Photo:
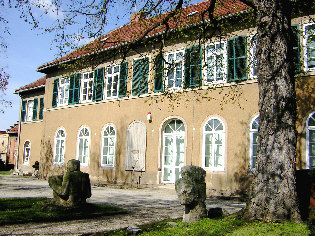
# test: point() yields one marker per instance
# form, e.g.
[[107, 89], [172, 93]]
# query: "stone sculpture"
[[72, 188], [191, 192]]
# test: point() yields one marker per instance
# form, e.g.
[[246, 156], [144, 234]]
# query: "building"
[[12, 146], [4, 138], [137, 118]]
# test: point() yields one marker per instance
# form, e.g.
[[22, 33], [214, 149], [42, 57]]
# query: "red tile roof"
[[13, 129], [37, 84], [136, 30]]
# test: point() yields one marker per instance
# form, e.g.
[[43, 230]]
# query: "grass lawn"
[[22, 210], [6, 172], [222, 226]]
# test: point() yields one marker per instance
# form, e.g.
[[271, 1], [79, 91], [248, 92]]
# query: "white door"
[[173, 151], [136, 146]]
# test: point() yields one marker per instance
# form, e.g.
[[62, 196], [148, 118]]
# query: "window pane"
[[167, 174]]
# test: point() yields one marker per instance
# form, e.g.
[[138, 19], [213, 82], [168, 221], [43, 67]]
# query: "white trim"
[[251, 51], [89, 144], [308, 128], [224, 62], [165, 76], [102, 146], [66, 96], [305, 38], [173, 134], [55, 146], [106, 82], [86, 80], [29, 153], [223, 132], [251, 133]]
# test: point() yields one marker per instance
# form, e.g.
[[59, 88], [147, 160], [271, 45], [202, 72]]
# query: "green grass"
[[22, 210], [222, 226], [7, 172]]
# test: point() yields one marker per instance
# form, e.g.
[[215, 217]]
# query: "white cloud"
[[49, 8]]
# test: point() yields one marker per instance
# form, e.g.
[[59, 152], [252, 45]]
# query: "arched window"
[[253, 132], [83, 146], [214, 145], [27, 152], [108, 146], [60, 140], [173, 150], [310, 141]]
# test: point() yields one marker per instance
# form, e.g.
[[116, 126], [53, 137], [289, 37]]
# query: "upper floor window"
[[83, 146], [175, 70], [252, 56], [112, 81], [30, 106], [214, 145], [140, 76], [309, 43], [87, 87], [60, 140], [237, 64], [27, 152], [63, 92], [108, 146], [253, 132], [310, 141], [215, 63]]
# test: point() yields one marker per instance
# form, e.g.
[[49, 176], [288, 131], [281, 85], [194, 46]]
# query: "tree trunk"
[[273, 192]]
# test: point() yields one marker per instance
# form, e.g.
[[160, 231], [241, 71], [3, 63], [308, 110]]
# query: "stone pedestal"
[[191, 191], [72, 188]]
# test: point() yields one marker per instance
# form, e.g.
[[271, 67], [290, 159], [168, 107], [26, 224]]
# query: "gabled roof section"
[[13, 129], [40, 83], [141, 29]]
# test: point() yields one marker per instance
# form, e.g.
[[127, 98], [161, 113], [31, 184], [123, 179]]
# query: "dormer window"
[[192, 13]]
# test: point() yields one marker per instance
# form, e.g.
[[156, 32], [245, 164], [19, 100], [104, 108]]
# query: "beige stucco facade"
[[235, 104]]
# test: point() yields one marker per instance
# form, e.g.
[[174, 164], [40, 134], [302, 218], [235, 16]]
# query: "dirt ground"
[[144, 206]]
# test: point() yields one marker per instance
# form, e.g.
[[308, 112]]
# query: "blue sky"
[[29, 48]]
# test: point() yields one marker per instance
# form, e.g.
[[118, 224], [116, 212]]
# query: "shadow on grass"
[[24, 210]]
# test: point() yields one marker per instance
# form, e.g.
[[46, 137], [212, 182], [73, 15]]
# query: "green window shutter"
[[98, 84], [71, 89], [144, 76], [296, 48], [123, 79], [136, 76], [76, 88], [187, 68], [237, 59], [35, 109], [195, 69], [41, 108], [23, 111], [158, 73], [55, 93]]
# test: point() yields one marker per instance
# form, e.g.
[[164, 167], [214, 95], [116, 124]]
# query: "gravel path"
[[144, 206]]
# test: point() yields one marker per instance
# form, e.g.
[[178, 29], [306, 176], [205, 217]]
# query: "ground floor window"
[[213, 145], [173, 150], [27, 152], [108, 146], [83, 146], [310, 141], [253, 132], [60, 146]]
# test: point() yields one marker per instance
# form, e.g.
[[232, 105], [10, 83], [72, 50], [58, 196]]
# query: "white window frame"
[[63, 92], [86, 93], [215, 54], [168, 65], [85, 139], [30, 107], [61, 155], [112, 76], [308, 128], [222, 132], [305, 39], [252, 132], [27, 155], [176, 133], [252, 59], [108, 136]]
